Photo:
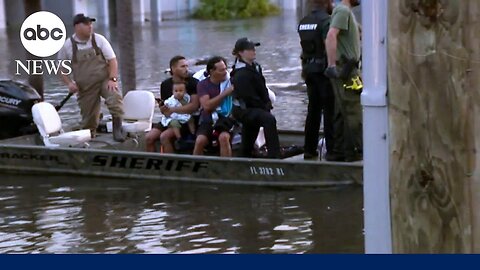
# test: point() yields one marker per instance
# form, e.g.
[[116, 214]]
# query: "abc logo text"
[[43, 34]]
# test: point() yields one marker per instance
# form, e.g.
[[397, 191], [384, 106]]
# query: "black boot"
[[118, 134]]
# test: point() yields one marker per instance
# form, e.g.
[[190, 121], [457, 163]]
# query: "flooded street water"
[[69, 216], [65, 215]]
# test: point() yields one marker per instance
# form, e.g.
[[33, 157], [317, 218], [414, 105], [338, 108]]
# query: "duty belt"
[[314, 61]]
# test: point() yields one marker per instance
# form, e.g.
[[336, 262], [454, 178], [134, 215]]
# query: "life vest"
[[312, 39]]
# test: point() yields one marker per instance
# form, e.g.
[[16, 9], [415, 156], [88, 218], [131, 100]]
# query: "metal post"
[[378, 232]]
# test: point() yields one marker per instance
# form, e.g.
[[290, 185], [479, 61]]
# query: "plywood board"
[[434, 101]]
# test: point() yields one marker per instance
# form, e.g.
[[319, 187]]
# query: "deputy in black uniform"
[[313, 31], [252, 104]]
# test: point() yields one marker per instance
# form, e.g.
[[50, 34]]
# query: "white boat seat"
[[72, 138], [138, 106], [50, 127]]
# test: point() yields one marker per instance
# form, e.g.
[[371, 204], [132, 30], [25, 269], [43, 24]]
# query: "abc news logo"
[[43, 34]]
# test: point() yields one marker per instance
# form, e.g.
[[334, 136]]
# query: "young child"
[[178, 99]]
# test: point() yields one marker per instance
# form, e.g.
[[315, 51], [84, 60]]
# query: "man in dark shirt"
[[313, 30], [179, 71], [211, 97]]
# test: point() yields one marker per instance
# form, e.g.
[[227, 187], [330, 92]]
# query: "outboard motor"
[[16, 101]]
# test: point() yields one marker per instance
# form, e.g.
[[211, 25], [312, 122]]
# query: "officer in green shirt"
[[343, 53]]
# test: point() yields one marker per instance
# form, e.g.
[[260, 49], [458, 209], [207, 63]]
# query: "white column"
[[102, 12], [147, 10], [138, 10], [376, 184], [156, 10], [3, 17], [289, 4], [80, 6]]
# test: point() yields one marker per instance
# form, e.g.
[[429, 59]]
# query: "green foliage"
[[234, 9]]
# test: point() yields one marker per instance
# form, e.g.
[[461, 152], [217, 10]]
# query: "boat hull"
[[106, 159], [118, 164]]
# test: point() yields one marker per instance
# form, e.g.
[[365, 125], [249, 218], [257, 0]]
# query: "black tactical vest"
[[311, 36]]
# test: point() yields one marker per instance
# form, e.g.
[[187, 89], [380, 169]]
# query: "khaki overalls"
[[90, 72]]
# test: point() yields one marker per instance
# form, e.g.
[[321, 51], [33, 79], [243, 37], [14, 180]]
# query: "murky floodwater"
[[92, 215], [68, 216]]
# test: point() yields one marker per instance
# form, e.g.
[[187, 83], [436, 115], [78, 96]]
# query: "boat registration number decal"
[[254, 170]]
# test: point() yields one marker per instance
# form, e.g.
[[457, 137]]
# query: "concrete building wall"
[[12, 11]]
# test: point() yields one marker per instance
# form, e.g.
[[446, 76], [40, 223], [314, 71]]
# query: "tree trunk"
[[127, 45], [36, 81]]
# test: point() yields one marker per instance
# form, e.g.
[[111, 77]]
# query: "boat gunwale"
[[193, 180], [190, 157]]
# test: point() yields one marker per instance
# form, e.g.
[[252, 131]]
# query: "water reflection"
[[91, 216]]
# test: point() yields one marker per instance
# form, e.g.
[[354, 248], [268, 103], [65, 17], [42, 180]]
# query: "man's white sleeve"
[[105, 46]]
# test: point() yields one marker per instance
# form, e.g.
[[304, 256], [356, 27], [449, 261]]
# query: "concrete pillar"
[[301, 8], [192, 5], [3, 18], [63, 9], [147, 10], [177, 9], [14, 13], [80, 6], [289, 4], [102, 12], [155, 11], [138, 9]]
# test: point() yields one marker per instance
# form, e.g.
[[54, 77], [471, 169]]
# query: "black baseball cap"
[[81, 18], [245, 44]]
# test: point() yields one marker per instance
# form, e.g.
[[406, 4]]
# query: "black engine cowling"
[[16, 101]]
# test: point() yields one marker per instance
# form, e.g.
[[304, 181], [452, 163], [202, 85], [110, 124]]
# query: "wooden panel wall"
[[434, 99]]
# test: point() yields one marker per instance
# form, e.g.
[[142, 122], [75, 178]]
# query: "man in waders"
[[95, 70], [343, 51], [313, 30]]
